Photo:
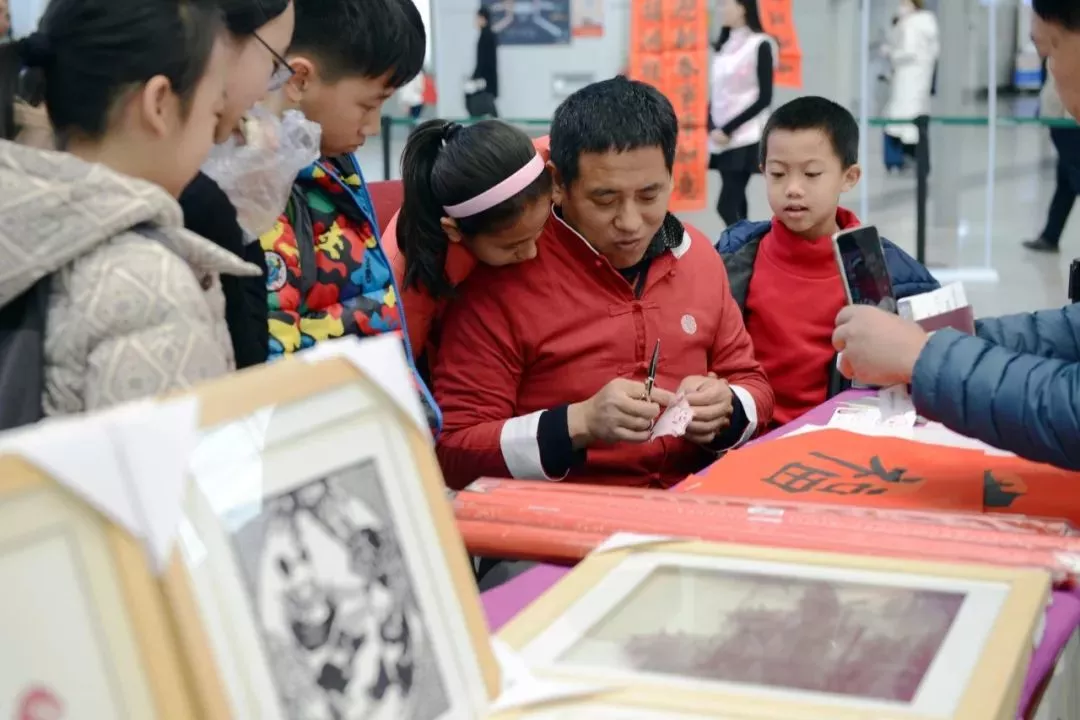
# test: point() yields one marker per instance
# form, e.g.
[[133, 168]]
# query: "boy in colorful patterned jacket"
[[327, 275]]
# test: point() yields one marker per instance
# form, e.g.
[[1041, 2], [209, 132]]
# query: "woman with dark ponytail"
[[478, 193], [134, 90]]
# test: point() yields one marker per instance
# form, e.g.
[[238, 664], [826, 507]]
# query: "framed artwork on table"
[[789, 635], [85, 630], [325, 565]]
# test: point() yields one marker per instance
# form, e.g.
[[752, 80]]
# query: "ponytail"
[[421, 237], [444, 165], [10, 65], [22, 91], [85, 55]]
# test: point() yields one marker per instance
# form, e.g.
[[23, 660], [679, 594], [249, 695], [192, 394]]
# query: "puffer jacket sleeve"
[[908, 275], [137, 323], [1047, 333], [1021, 402]]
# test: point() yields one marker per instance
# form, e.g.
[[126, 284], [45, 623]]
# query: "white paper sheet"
[[931, 304], [129, 463], [382, 360], [522, 689], [78, 452], [624, 540], [156, 443]]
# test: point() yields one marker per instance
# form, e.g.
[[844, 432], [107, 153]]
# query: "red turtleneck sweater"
[[794, 297]]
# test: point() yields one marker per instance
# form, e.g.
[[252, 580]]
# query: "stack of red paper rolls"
[[561, 523]]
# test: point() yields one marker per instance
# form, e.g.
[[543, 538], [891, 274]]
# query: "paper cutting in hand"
[[674, 421]]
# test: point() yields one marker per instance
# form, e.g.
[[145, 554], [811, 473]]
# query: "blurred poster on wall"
[[778, 20], [587, 18], [669, 49], [530, 22]]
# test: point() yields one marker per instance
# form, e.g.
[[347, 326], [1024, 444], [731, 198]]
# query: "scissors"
[[652, 371]]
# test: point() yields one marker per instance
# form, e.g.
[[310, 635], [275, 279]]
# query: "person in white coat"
[[913, 51], [411, 96], [741, 90]]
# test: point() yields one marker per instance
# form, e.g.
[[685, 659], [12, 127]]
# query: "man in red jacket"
[[542, 367]]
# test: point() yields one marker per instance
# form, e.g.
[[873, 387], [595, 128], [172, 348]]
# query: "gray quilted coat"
[[135, 305]]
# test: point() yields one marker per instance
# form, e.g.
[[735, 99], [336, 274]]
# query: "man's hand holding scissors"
[[623, 411]]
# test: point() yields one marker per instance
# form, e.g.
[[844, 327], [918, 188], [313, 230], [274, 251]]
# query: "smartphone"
[[861, 260]]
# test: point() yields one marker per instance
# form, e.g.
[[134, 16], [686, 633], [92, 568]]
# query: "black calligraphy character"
[[876, 469], [650, 72], [688, 96], [686, 67], [685, 38], [652, 42], [686, 156], [1000, 492], [653, 11], [797, 478], [687, 10], [687, 186]]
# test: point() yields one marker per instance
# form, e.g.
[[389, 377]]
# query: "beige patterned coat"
[[135, 304]]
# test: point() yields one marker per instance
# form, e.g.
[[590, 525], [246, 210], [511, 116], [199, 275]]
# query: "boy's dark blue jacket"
[[738, 246]]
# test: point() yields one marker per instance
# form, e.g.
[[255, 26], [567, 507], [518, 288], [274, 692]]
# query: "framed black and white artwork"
[[789, 635], [323, 557]]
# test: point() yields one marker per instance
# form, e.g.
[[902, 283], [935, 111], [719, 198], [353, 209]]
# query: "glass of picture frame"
[[86, 632], [789, 635], [322, 556]]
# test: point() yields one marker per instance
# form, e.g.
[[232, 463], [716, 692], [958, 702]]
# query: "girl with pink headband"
[[478, 193]]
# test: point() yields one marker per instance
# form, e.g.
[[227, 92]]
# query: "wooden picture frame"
[[306, 477], [86, 632], [606, 706], [661, 623]]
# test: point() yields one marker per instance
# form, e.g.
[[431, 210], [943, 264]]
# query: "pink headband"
[[505, 190]]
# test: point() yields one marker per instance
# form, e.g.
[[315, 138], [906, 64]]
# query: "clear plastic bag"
[[258, 174]]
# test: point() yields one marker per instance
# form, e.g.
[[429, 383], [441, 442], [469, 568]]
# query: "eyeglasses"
[[282, 72]]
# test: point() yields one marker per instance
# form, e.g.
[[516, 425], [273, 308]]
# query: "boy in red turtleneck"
[[783, 274]]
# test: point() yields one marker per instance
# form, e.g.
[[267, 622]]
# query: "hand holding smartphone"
[[861, 260]]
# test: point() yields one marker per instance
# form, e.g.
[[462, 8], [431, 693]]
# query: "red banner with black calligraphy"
[[834, 466], [778, 19], [669, 41]]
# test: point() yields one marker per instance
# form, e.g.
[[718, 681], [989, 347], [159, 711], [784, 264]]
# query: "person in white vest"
[[913, 49], [741, 92]]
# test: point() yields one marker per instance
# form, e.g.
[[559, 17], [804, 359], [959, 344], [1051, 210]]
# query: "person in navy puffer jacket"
[[1016, 384]]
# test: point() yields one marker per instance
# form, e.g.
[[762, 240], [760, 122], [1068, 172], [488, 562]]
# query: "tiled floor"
[[1024, 182]]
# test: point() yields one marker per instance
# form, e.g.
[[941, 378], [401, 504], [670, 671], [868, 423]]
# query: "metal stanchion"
[[387, 127], [922, 190]]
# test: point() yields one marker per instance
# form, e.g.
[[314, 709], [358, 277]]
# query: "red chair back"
[[386, 198]]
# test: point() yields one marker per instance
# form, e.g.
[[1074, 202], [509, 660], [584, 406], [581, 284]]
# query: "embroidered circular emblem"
[[276, 275], [689, 324]]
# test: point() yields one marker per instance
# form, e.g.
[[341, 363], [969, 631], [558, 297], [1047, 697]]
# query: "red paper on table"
[[839, 467], [669, 49]]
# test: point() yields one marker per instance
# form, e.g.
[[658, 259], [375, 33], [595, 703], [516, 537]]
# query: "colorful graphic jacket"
[[326, 273]]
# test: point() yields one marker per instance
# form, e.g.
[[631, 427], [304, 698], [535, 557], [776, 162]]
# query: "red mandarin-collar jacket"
[[524, 338]]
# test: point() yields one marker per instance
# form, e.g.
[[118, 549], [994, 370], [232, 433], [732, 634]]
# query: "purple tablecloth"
[[1062, 617]]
